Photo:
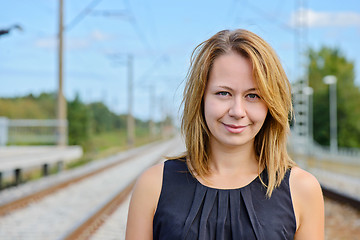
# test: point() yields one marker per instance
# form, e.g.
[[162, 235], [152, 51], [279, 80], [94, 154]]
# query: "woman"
[[236, 180]]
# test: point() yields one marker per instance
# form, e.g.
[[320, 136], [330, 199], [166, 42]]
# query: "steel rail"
[[341, 197], [86, 229], [94, 222], [23, 202]]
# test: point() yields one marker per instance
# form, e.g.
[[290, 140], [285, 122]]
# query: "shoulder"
[[303, 182], [308, 203], [149, 182], [143, 203], [152, 173], [148, 187]]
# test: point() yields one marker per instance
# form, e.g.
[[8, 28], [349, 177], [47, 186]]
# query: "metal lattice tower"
[[300, 98]]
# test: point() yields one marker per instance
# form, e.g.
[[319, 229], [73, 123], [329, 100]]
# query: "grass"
[[110, 143]]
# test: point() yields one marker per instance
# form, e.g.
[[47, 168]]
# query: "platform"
[[14, 160]]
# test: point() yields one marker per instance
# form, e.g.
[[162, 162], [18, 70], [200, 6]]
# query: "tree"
[[85, 120], [79, 120], [330, 61], [104, 119]]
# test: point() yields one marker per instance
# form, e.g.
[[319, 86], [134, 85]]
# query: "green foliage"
[[328, 61], [29, 107], [79, 118], [103, 118], [93, 126]]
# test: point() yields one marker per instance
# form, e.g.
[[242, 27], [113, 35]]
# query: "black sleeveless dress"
[[189, 210]]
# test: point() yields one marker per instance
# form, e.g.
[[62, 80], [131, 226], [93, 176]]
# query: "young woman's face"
[[234, 111]]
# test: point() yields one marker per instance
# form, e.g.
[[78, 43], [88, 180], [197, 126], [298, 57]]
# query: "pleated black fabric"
[[188, 210]]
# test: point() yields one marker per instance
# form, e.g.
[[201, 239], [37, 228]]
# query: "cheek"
[[207, 110], [265, 113], [212, 110], [259, 113]]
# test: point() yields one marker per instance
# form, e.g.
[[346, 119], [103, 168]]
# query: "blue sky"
[[160, 35]]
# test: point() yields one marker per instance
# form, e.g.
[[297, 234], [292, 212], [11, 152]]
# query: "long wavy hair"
[[274, 88]]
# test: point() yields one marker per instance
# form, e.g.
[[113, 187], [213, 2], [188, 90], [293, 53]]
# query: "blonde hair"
[[274, 88]]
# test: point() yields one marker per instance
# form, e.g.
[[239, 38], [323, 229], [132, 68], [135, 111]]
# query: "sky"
[[99, 36]]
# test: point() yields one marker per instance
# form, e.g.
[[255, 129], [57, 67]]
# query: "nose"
[[237, 108]]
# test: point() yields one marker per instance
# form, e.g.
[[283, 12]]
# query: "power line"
[[137, 28], [149, 71], [125, 14], [108, 13], [271, 18], [82, 14]]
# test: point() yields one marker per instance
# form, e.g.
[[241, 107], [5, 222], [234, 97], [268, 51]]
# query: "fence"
[[30, 131], [310, 147]]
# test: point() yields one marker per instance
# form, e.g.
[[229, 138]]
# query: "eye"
[[252, 96], [223, 93]]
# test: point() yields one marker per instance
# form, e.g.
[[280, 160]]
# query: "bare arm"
[[308, 205], [143, 204]]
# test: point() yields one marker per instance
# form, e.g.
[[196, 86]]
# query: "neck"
[[233, 160]]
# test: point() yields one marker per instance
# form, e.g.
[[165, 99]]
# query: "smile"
[[234, 128]]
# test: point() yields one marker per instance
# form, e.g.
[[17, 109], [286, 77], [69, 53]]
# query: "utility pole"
[[130, 118], [61, 112], [163, 116], [151, 112], [61, 103]]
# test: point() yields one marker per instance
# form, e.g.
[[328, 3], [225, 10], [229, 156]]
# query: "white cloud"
[[311, 18], [97, 35], [77, 43], [48, 43], [72, 43]]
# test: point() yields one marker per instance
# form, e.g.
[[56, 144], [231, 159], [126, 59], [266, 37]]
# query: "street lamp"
[[331, 81], [309, 91]]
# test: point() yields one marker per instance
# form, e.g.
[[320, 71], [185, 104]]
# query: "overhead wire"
[[137, 29], [269, 17], [81, 15]]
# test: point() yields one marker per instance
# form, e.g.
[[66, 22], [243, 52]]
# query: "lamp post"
[[331, 81], [309, 91]]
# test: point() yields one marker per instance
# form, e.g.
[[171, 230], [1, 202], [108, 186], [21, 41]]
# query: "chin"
[[234, 143]]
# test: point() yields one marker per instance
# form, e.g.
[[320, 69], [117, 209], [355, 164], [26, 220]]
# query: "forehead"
[[232, 70]]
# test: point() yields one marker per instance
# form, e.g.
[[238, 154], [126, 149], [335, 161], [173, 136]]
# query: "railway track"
[[37, 196], [341, 198], [86, 220], [341, 221], [89, 225], [95, 221], [86, 230]]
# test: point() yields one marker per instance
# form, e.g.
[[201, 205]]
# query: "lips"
[[234, 128]]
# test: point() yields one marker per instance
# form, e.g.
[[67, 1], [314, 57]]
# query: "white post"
[[309, 91], [130, 117], [4, 124], [331, 81]]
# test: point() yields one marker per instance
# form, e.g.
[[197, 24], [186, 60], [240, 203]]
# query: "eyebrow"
[[226, 87], [230, 89]]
